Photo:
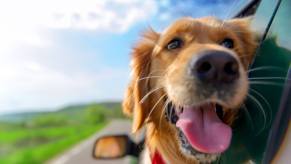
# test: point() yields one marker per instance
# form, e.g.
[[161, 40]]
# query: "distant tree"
[[46, 120], [95, 114]]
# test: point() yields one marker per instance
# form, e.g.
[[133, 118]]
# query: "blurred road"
[[82, 153]]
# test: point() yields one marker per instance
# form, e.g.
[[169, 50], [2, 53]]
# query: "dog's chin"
[[192, 153], [202, 130]]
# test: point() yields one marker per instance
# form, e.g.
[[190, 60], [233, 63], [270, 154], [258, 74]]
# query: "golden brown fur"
[[154, 67]]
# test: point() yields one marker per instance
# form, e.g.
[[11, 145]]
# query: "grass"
[[40, 138], [38, 145]]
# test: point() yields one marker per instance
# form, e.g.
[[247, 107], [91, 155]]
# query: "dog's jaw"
[[192, 153]]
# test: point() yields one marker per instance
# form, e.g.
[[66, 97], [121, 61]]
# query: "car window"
[[268, 77], [223, 9], [65, 65]]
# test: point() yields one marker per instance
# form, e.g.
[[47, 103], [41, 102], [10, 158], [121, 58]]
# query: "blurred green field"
[[37, 137]]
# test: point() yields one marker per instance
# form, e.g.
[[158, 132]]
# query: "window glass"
[[170, 10], [64, 67]]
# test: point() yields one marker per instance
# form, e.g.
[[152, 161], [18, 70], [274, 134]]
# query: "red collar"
[[157, 158]]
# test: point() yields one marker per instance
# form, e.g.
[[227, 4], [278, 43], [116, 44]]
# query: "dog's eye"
[[228, 43], [174, 44]]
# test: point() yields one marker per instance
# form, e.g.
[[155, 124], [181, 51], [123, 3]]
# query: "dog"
[[187, 85]]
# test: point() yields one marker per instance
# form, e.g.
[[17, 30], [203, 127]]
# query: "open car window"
[[265, 121], [223, 9], [247, 8], [64, 65]]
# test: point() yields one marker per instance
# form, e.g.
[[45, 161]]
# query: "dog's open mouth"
[[203, 127]]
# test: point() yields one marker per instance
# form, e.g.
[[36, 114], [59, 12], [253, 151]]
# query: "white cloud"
[[31, 85], [32, 78], [37, 78], [24, 22], [111, 15]]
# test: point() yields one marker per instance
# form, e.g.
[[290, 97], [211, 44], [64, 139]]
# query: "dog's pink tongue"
[[204, 130]]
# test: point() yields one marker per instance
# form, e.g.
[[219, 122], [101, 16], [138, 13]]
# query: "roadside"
[[82, 153]]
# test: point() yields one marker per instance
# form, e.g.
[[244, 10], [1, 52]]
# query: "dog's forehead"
[[187, 23], [177, 24]]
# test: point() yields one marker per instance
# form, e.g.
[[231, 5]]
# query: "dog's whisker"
[[248, 116], [156, 105], [266, 102], [265, 68], [149, 77], [268, 78], [266, 83], [149, 93], [261, 109]]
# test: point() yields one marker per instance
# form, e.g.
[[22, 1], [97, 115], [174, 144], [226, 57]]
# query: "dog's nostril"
[[231, 68], [216, 67], [204, 67]]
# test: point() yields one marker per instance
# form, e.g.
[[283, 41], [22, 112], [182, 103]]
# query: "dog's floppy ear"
[[242, 22], [246, 23], [249, 38], [137, 89]]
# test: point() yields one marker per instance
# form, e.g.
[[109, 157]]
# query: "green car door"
[[265, 115]]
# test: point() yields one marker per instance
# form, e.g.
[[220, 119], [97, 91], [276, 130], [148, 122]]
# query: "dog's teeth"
[[179, 110]]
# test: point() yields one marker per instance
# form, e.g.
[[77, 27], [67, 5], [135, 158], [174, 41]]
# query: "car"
[[262, 133]]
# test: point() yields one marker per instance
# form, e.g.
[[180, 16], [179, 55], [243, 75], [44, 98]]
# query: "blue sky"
[[60, 52]]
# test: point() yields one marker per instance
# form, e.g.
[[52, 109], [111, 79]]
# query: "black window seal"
[[248, 7]]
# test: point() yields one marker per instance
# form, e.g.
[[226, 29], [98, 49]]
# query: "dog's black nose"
[[215, 67]]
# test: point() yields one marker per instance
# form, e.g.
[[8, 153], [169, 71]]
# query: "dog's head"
[[196, 70]]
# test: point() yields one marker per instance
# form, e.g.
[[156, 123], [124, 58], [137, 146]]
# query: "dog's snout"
[[215, 67]]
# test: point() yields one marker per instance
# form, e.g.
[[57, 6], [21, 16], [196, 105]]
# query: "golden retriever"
[[187, 84]]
